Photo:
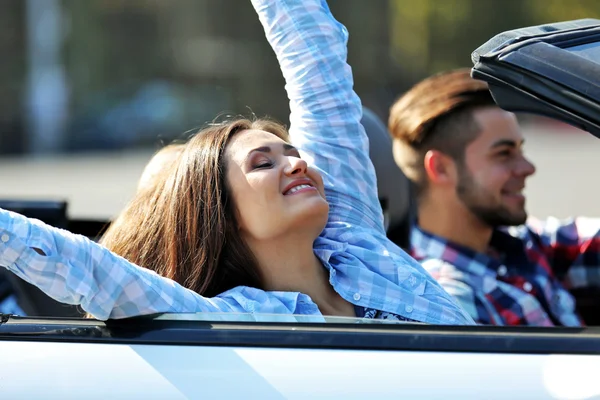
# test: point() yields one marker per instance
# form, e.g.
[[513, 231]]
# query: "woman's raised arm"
[[325, 111]]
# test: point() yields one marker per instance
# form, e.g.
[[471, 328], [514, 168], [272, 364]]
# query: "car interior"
[[394, 195], [393, 187]]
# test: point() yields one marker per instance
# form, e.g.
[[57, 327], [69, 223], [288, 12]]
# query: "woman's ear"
[[440, 168]]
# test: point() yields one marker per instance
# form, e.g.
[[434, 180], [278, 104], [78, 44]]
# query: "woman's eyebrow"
[[287, 148], [262, 149]]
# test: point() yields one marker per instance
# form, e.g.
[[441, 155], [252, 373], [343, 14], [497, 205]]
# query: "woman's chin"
[[313, 215]]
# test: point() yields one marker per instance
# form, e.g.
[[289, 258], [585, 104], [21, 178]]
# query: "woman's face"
[[273, 189]]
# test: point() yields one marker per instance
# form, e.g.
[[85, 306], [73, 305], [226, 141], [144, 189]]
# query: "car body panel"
[[194, 356], [104, 371]]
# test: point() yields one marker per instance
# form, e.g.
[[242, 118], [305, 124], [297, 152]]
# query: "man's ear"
[[440, 168]]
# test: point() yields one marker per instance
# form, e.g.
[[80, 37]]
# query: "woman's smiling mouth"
[[299, 186]]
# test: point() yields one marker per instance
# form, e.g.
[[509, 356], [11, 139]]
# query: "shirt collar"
[[427, 245]]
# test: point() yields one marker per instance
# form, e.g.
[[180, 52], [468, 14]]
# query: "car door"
[[229, 356]]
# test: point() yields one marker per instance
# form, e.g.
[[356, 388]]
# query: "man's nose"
[[526, 167]]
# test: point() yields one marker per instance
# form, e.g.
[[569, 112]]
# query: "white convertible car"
[[553, 70]]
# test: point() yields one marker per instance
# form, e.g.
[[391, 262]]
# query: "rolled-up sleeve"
[[76, 270]]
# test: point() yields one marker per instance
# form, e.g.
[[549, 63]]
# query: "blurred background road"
[[100, 184], [88, 89]]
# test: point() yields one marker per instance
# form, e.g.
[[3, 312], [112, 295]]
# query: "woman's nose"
[[296, 166]]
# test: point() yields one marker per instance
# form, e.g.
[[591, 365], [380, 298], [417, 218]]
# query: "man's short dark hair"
[[436, 114]]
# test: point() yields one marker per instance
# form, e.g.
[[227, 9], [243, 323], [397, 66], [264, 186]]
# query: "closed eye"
[[266, 164]]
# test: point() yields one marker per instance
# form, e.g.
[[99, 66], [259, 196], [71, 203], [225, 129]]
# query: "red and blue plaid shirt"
[[526, 276]]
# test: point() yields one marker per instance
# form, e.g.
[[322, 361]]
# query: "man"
[[465, 157]]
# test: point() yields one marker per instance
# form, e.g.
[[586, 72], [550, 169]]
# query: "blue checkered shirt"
[[365, 268]]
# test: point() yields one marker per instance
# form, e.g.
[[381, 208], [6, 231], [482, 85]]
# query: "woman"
[[299, 240]]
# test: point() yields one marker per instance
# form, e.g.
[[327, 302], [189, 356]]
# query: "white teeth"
[[296, 188]]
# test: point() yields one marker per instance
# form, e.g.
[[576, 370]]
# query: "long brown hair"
[[184, 226]]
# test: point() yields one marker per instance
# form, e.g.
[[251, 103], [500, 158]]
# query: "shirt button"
[[408, 309], [502, 270], [356, 296], [4, 238], [527, 287]]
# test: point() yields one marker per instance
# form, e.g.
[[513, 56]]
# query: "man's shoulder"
[[531, 229], [455, 281], [438, 267]]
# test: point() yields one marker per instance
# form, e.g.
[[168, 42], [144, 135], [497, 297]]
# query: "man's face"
[[492, 177]]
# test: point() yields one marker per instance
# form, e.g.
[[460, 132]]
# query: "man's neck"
[[289, 264], [456, 225]]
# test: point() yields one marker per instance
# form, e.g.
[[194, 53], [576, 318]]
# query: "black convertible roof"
[[552, 70], [504, 39]]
